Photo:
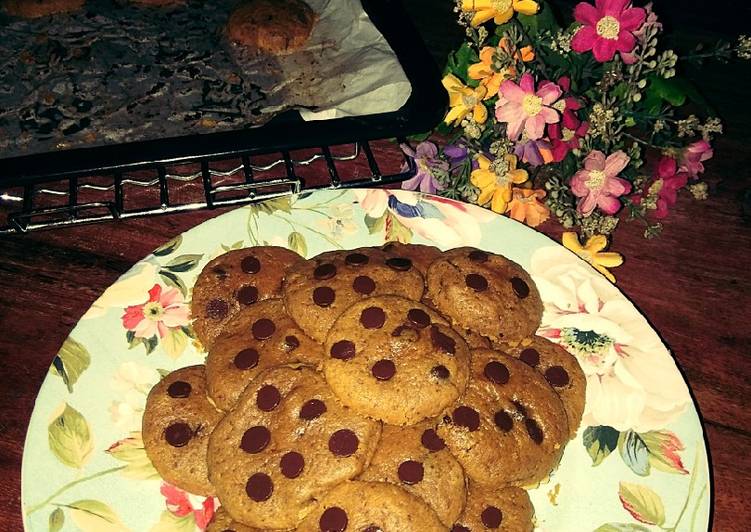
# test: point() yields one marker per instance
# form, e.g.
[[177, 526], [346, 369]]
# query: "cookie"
[[487, 293], [317, 291], [234, 281], [271, 26], [422, 256], [562, 371], [509, 427], [473, 339], [417, 460], [286, 442], [370, 507], [40, 8], [505, 509], [222, 522], [177, 421], [257, 338], [395, 360]]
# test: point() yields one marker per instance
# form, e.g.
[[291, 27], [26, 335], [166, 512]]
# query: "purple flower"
[[455, 152], [534, 152], [427, 162]]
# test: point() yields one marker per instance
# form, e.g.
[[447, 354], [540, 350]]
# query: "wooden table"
[[691, 283]]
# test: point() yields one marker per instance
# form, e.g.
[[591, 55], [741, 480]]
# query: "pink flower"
[[181, 504], [524, 109], [668, 182], [608, 27], [693, 157], [165, 309], [598, 184], [566, 136]]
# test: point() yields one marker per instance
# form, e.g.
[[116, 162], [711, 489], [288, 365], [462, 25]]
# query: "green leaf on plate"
[[56, 520], [642, 503], [375, 225], [95, 516], [634, 452], [171, 279], [163, 372], [183, 263], [394, 229], [621, 527], [169, 247], [236, 245], [169, 522], [296, 242], [131, 451], [174, 342], [69, 438], [663, 447], [600, 442], [282, 203], [71, 361], [150, 343]]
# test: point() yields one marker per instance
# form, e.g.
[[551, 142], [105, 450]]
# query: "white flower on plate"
[[131, 384], [340, 222], [632, 380], [126, 291]]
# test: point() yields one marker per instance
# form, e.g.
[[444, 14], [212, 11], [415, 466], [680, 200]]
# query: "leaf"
[[169, 522], [171, 279], [174, 343], [394, 229], [150, 344], [600, 442], [168, 247], [634, 452], [621, 527], [71, 361], [95, 516], [183, 263], [131, 451], [282, 203], [663, 447], [543, 20], [642, 503], [163, 372], [667, 90], [56, 520], [459, 61], [236, 245], [70, 439], [375, 225], [296, 242]]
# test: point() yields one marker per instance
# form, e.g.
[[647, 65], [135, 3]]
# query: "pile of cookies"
[[398, 388]]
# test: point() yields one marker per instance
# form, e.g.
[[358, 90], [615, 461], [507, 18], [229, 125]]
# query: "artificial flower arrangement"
[[558, 119]]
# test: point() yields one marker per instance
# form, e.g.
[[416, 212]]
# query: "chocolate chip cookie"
[[504, 509], [222, 522], [509, 427], [422, 256], [177, 422], [486, 293], [416, 459], [370, 507], [286, 442], [317, 291], [272, 26], [234, 281], [257, 338], [395, 360]]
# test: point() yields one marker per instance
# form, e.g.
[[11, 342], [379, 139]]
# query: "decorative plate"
[[638, 462]]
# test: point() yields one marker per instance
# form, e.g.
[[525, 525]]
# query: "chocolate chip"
[[496, 372], [534, 430], [323, 296], [521, 289], [268, 398], [373, 318], [440, 372], [217, 309], [324, 271], [383, 370], [431, 441], [263, 329], [465, 416], [530, 356], [255, 439], [247, 295], [219, 272], [292, 464], [312, 409], [178, 434], [460, 528], [477, 255], [411, 472], [476, 282], [343, 442], [399, 264], [356, 259], [503, 421], [556, 376], [179, 389], [418, 317], [442, 341], [246, 359], [250, 265], [291, 342], [259, 487], [491, 517], [343, 350], [363, 285], [334, 519]]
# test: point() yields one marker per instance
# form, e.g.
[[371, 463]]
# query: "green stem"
[[322, 235], [691, 484], [69, 485], [696, 508]]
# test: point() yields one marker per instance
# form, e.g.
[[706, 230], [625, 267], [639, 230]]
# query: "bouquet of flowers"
[[549, 118]]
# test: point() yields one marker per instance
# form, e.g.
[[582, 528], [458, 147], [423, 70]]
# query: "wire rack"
[[194, 184]]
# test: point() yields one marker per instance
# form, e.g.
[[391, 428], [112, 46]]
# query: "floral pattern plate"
[[638, 462]]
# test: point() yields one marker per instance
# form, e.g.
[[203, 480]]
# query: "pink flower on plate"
[[598, 184], [668, 181], [180, 503], [608, 27], [165, 309], [693, 156], [525, 109]]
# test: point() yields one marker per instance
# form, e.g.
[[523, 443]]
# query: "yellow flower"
[[487, 75], [500, 11], [526, 206], [593, 254], [496, 179], [464, 100]]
